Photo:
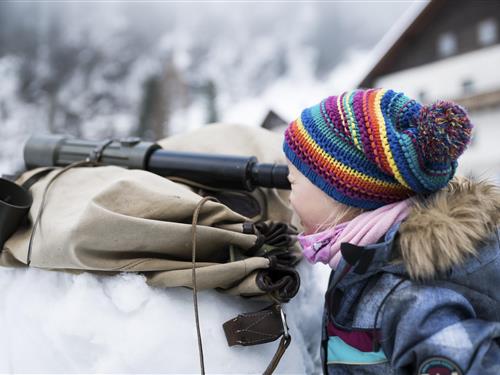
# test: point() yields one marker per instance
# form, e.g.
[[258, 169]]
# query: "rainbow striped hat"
[[368, 148]]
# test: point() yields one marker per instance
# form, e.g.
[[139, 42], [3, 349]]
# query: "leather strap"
[[255, 327], [285, 341], [36, 177], [260, 327]]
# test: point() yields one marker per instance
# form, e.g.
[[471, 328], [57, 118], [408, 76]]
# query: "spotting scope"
[[217, 171]]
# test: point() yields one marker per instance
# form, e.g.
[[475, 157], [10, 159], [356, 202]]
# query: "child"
[[415, 255]]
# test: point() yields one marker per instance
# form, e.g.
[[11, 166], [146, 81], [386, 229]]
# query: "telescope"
[[216, 171]]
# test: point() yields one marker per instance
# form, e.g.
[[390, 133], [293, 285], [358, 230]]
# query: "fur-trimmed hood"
[[444, 229]]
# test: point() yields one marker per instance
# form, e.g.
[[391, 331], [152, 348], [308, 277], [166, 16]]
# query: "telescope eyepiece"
[[270, 175]]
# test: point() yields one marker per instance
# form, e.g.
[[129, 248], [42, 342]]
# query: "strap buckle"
[[283, 321]]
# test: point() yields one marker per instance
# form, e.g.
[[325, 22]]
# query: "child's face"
[[313, 206]]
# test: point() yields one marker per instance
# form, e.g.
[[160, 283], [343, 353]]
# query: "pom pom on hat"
[[444, 131]]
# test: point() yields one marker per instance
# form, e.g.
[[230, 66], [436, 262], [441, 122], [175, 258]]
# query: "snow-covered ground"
[[55, 322]]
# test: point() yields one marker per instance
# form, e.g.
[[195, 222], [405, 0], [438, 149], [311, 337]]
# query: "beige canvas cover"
[[117, 220]]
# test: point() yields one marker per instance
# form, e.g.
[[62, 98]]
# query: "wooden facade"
[[458, 26]]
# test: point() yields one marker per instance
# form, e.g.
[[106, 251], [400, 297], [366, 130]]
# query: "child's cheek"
[[293, 202], [299, 206]]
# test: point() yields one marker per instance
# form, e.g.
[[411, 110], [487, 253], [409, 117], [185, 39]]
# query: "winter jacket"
[[425, 299]]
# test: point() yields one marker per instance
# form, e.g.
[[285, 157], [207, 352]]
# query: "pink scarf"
[[365, 229]]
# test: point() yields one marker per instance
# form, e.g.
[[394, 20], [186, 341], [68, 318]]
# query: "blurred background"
[[152, 69]]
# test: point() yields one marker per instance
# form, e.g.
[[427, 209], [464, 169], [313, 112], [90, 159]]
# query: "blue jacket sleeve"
[[422, 325]]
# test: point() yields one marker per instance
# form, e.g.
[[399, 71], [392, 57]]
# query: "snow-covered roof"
[[389, 42]]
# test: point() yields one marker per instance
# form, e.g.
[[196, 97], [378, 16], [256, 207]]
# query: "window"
[[468, 87], [447, 44], [487, 32]]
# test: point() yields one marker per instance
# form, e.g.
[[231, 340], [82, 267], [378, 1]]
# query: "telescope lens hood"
[[15, 202]]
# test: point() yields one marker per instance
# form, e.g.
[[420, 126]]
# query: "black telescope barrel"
[[218, 171], [211, 170], [225, 171]]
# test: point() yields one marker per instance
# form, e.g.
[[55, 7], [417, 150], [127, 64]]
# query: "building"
[[449, 49]]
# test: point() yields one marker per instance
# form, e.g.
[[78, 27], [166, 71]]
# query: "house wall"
[[444, 79]]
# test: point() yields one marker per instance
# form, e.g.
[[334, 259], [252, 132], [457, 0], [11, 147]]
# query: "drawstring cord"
[[193, 278]]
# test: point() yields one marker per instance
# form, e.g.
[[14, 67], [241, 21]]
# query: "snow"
[[56, 322], [15, 117]]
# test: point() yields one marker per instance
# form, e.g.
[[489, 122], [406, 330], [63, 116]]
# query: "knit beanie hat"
[[368, 148]]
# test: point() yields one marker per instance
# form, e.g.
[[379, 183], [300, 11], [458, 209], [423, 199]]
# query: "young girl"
[[415, 255]]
